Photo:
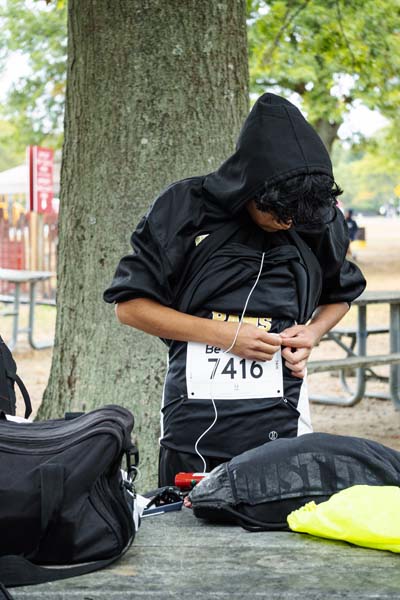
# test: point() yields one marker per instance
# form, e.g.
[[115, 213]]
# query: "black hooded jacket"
[[275, 143], [197, 250]]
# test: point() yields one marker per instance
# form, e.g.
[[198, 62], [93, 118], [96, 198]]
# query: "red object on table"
[[187, 481]]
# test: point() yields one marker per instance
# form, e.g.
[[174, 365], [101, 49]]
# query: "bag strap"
[[25, 396], [5, 400], [16, 570], [4, 593], [51, 496]]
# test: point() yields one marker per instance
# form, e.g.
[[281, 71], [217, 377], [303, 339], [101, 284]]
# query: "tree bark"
[[156, 91], [327, 131]]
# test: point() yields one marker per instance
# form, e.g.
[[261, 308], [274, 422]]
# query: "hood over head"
[[275, 143]]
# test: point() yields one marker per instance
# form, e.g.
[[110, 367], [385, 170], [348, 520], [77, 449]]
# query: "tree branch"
[[346, 41], [286, 22]]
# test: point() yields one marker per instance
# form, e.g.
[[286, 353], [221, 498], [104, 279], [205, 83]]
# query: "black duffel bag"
[[259, 488], [63, 499]]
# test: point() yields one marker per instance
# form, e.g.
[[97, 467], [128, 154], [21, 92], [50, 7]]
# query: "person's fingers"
[[271, 340], [286, 353], [301, 341], [256, 344], [261, 356], [260, 346], [297, 368], [295, 357], [292, 331], [262, 343], [299, 374]]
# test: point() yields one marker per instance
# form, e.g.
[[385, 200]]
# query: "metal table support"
[[359, 392], [395, 347], [354, 396]]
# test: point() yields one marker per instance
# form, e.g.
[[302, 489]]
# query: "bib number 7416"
[[255, 370], [210, 373]]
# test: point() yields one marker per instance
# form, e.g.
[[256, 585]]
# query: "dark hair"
[[305, 199]]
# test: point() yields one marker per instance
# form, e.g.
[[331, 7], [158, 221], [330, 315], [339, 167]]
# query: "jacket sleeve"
[[342, 280], [145, 273]]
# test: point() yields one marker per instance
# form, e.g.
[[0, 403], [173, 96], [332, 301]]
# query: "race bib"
[[210, 373]]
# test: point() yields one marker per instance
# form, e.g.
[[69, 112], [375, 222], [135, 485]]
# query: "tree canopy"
[[35, 102], [369, 174], [331, 53]]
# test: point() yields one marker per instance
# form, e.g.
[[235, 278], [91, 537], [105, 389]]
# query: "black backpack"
[[259, 488], [8, 379], [64, 499]]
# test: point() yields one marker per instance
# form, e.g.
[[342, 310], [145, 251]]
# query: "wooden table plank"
[[378, 297], [352, 362], [177, 556], [22, 276]]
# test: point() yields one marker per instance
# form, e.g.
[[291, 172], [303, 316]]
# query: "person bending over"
[[240, 272]]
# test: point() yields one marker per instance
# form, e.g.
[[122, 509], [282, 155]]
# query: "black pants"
[[172, 462]]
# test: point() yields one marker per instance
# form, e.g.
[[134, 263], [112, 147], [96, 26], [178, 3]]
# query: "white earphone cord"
[[224, 352]]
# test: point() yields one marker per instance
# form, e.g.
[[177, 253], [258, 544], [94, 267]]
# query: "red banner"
[[41, 168]]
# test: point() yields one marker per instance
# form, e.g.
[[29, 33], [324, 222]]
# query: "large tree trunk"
[[156, 91]]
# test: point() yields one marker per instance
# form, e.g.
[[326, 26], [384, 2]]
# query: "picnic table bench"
[[357, 356], [177, 556], [19, 277]]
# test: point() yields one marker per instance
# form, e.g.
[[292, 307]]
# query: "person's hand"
[[252, 342], [187, 502], [297, 342]]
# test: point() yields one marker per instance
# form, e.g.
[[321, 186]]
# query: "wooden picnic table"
[[357, 356], [18, 277], [176, 555]]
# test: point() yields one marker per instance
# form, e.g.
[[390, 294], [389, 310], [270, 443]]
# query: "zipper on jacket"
[[290, 406]]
